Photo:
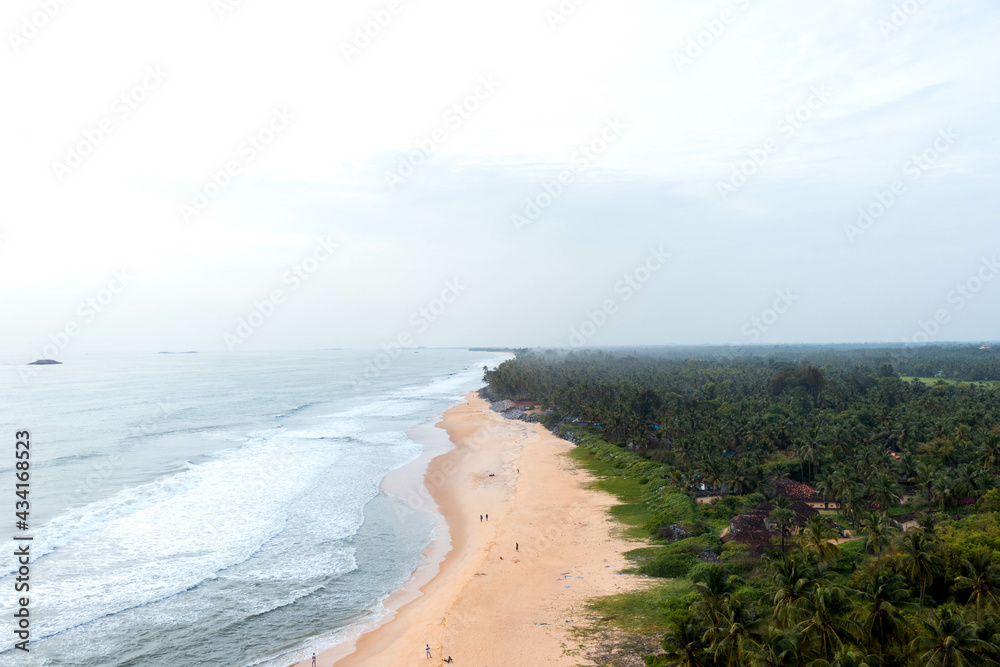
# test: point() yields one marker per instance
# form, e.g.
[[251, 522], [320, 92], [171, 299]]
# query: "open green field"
[[935, 380], [633, 511]]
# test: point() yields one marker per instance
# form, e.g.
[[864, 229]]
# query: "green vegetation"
[[661, 430], [648, 611]]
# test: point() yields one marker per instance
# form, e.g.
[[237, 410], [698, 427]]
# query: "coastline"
[[507, 590]]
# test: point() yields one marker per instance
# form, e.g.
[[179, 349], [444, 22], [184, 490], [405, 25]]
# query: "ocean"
[[193, 509]]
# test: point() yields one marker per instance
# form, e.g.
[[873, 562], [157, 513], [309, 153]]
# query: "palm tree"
[[731, 628], [943, 490], [925, 478], [812, 453], [773, 649], [852, 500], [983, 581], [817, 536], [879, 531], [948, 640], [683, 646], [784, 518], [848, 656], [884, 490], [880, 617], [792, 577], [826, 623], [714, 585], [989, 453], [919, 560], [907, 464]]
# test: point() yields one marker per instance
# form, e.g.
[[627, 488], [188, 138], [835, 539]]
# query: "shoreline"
[[406, 483], [504, 591]]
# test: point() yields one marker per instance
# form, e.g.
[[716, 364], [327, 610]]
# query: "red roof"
[[787, 488]]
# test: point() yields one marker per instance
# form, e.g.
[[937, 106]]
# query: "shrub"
[[990, 502], [669, 563]]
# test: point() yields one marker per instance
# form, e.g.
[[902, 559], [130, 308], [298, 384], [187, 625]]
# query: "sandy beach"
[[509, 588]]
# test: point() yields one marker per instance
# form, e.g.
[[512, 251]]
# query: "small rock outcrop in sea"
[[45, 362]]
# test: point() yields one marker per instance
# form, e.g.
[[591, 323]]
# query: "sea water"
[[192, 509]]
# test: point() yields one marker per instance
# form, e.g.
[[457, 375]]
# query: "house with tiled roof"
[[797, 491], [802, 511], [750, 529]]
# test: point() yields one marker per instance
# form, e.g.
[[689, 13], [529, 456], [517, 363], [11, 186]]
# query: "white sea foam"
[[231, 535]]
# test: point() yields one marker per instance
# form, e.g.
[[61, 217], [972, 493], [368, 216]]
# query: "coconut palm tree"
[[943, 490], [982, 582], [817, 536], [785, 519], [925, 479], [878, 532], [683, 646], [714, 585], [849, 656], [792, 577], [882, 596], [884, 490], [773, 648], [826, 625], [919, 560], [728, 632], [948, 639], [812, 453]]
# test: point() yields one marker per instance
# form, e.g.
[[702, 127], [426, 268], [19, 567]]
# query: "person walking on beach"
[[517, 547], [480, 518], [487, 517], [314, 660], [428, 649]]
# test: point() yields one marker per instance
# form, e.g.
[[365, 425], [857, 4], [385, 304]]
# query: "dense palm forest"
[[905, 571]]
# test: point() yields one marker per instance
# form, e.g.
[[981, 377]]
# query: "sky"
[[246, 175]]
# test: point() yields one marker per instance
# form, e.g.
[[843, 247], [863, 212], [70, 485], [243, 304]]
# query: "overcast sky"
[[740, 138]]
